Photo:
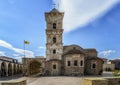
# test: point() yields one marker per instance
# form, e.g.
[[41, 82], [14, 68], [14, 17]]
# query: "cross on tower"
[[54, 5]]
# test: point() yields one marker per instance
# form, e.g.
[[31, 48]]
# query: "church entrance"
[[35, 67]]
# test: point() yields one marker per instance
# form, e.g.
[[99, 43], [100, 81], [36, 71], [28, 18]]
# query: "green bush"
[[116, 73]]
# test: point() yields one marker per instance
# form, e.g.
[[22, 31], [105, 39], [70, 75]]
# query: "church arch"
[[17, 70], [20, 68], [34, 67], [14, 69], [10, 69], [3, 69]]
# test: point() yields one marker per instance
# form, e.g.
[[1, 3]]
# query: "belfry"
[[54, 44]]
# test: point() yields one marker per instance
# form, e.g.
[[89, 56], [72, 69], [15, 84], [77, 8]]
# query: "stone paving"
[[55, 81], [59, 80]]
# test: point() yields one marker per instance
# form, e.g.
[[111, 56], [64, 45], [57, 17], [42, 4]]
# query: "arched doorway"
[[3, 69], [20, 68], [34, 67], [17, 69], [14, 69], [9, 69]]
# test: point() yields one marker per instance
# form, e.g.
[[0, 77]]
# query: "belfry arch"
[[34, 67]]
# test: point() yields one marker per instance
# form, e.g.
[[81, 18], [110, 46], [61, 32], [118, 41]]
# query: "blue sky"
[[88, 23]]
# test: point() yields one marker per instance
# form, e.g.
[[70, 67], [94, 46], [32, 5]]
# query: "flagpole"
[[24, 48], [24, 58], [25, 42]]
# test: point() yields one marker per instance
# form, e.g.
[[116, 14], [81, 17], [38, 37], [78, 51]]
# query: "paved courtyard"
[[55, 81], [59, 80]]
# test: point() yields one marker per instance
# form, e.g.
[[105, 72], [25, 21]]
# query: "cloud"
[[79, 13], [42, 47], [16, 55], [2, 53], [107, 53], [17, 50]]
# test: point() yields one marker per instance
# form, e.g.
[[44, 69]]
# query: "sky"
[[87, 23]]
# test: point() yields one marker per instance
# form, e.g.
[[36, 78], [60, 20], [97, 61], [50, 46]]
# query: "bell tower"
[[54, 45], [54, 31]]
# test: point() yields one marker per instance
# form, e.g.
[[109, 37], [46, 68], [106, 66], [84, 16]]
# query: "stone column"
[[6, 68], [0, 68]]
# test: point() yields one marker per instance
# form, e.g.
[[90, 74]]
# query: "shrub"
[[116, 73]]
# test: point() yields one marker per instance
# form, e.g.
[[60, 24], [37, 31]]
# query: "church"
[[70, 60]]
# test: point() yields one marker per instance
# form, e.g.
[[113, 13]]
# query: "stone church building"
[[65, 60]]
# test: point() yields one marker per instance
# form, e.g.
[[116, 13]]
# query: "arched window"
[[94, 65], [54, 66], [54, 39], [68, 63], [75, 63], [54, 51], [81, 63], [54, 25]]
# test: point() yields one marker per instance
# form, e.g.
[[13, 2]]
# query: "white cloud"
[[107, 53], [2, 53], [16, 55], [42, 47], [17, 50], [78, 13]]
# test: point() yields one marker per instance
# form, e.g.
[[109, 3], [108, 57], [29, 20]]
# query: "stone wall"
[[54, 31], [91, 52], [13, 82], [108, 67], [8, 68], [101, 81], [72, 69], [113, 81], [27, 61], [53, 68], [95, 81], [89, 70]]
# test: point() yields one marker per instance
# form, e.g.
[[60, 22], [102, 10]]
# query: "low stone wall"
[[113, 81], [95, 81], [13, 82], [101, 81]]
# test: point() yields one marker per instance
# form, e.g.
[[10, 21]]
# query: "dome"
[[74, 51]]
